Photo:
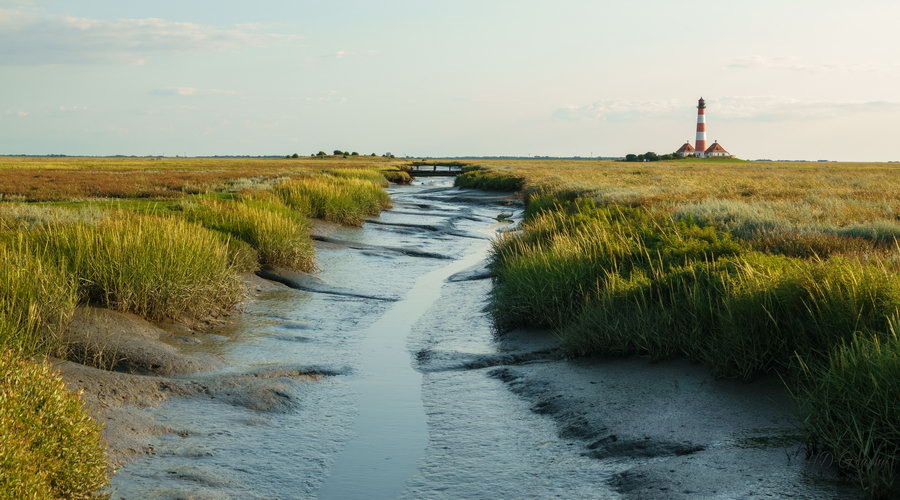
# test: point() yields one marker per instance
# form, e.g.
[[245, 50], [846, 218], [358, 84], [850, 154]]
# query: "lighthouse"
[[700, 150]]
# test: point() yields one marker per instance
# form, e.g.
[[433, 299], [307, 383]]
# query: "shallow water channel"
[[417, 398]]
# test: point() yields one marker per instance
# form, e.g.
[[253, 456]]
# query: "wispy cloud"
[[744, 108], [345, 54], [13, 112], [611, 109], [191, 91], [330, 96], [774, 108], [29, 37], [800, 65]]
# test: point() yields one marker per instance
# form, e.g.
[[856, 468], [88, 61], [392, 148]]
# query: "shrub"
[[37, 300], [49, 447], [155, 267]]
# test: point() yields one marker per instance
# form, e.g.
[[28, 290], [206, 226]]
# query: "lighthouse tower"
[[701, 129]]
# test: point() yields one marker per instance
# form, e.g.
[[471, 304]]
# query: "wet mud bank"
[[380, 377]]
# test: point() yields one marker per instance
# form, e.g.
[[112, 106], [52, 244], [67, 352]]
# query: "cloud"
[[12, 112], [30, 37], [620, 110], [794, 64], [191, 91], [778, 108], [344, 54], [729, 108], [330, 96]]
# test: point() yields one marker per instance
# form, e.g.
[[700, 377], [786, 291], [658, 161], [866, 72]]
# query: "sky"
[[783, 79]]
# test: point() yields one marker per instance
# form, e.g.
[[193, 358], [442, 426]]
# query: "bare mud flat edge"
[[673, 429], [124, 366]]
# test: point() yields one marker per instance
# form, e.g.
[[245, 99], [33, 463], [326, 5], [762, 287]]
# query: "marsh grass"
[[371, 175], [155, 267], [397, 176], [345, 201], [485, 179], [851, 410], [49, 447], [626, 279], [277, 236], [37, 300]]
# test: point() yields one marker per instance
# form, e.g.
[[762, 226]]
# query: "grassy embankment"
[[163, 239], [748, 268]]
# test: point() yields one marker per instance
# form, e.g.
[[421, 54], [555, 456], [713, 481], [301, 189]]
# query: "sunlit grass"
[[279, 237], [49, 447], [156, 267], [641, 269], [342, 200], [37, 300]]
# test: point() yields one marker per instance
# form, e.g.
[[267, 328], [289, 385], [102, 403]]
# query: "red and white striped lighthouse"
[[701, 129]]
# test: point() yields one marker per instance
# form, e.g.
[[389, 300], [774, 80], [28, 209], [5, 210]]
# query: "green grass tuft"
[[489, 180], [37, 300], [344, 201], [156, 267], [851, 409], [279, 236]]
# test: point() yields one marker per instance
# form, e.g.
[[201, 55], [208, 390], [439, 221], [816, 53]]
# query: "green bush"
[[49, 447]]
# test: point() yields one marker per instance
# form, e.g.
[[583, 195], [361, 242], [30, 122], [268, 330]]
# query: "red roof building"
[[717, 151], [686, 150]]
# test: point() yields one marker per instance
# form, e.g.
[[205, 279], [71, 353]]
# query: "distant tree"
[[373, 154], [651, 156], [338, 152], [295, 155], [631, 157], [354, 154], [321, 153]]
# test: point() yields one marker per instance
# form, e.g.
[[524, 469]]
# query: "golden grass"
[[36, 178], [831, 193]]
